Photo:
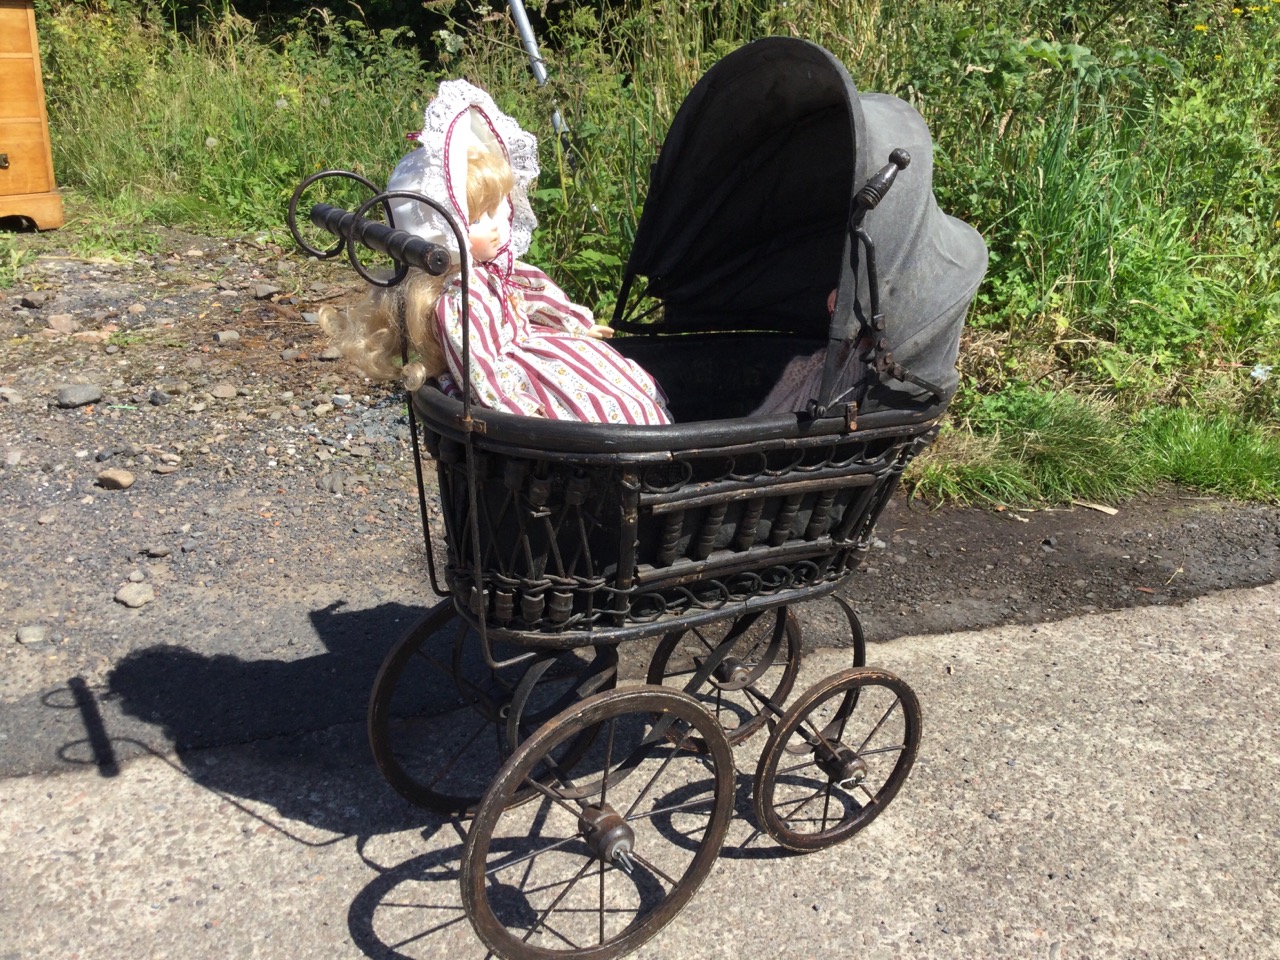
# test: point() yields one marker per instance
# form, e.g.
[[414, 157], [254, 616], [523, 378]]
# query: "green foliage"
[[216, 129], [1219, 453], [14, 256], [1025, 445], [1122, 160]]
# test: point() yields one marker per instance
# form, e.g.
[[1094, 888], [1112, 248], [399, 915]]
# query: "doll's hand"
[[831, 302], [600, 331]]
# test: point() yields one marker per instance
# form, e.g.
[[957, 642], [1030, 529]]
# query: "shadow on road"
[[297, 725]]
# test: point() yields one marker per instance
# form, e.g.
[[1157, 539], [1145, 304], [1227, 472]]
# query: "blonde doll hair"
[[369, 334]]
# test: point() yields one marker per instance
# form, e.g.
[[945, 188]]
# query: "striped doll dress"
[[531, 353]]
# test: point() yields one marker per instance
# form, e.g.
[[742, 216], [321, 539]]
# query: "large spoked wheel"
[[442, 722], [736, 667], [837, 758], [615, 844]]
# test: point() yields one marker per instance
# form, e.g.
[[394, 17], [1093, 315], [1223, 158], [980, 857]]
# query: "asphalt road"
[[1098, 787]]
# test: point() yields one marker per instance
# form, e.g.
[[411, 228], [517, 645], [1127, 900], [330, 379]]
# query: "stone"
[[115, 479], [330, 353], [226, 336], [34, 300], [62, 323], [331, 483], [135, 595], [12, 458], [223, 391], [79, 395], [159, 398], [137, 308], [264, 291], [290, 354], [33, 633], [320, 409], [9, 395], [158, 551], [310, 317]]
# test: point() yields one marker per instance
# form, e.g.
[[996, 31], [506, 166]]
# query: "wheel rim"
[[547, 880], [837, 758], [762, 653], [440, 720]]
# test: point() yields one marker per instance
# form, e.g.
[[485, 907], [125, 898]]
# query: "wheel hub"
[[608, 835], [732, 670], [839, 762]]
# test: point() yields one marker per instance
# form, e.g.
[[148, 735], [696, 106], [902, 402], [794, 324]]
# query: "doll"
[[532, 351]]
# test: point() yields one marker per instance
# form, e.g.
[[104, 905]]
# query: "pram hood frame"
[[751, 215]]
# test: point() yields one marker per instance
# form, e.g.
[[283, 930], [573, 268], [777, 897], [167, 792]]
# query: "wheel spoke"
[[697, 632], [799, 766], [551, 795], [458, 756], [506, 864], [876, 729], [652, 867], [660, 771], [688, 804], [608, 761], [541, 921], [894, 749], [805, 801]]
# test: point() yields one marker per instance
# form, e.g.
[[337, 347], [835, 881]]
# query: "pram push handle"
[[873, 190], [401, 246]]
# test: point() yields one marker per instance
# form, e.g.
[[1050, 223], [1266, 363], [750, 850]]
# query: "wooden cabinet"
[[27, 188]]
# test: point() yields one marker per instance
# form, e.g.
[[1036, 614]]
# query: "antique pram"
[[597, 809]]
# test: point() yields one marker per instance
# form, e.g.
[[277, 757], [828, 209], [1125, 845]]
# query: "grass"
[[1122, 160], [1219, 454], [1026, 447], [14, 257]]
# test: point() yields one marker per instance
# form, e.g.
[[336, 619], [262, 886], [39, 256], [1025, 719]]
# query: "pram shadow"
[[284, 738]]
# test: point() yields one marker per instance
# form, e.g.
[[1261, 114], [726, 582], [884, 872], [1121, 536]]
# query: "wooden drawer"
[[15, 27], [21, 97], [28, 160]]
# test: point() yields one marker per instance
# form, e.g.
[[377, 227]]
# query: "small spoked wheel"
[[614, 844], [442, 721], [837, 758], [741, 669]]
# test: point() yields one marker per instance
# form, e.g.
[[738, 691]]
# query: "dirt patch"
[[271, 527]]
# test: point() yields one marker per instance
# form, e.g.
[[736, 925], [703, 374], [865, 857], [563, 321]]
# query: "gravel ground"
[[212, 526]]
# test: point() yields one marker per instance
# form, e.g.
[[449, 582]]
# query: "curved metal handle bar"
[[404, 248], [292, 218]]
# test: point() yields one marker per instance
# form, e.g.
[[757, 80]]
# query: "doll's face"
[[489, 233]]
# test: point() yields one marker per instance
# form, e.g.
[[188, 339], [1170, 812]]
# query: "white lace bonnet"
[[462, 116]]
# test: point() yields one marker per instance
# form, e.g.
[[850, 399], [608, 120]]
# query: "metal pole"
[[530, 44]]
